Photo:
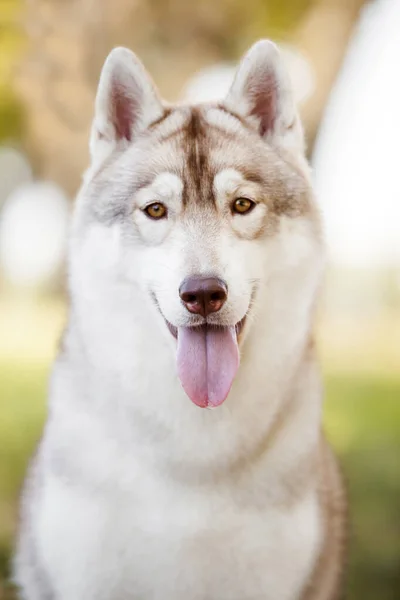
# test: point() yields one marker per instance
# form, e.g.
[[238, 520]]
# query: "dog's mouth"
[[207, 360], [238, 327]]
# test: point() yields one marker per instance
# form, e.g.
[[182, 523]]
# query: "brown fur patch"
[[234, 115], [165, 115], [198, 178]]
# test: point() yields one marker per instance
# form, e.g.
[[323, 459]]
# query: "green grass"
[[22, 410], [23, 393], [362, 416]]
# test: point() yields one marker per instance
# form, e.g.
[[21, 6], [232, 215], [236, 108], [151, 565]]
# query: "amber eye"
[[156, 210], [243, 206]]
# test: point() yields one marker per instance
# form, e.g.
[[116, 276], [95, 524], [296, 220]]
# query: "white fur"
[[173, 555]]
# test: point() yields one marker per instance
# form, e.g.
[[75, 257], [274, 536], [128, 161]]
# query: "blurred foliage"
[[362, 416], [12, 116], [11, 41], [67, 43], [174, 23]]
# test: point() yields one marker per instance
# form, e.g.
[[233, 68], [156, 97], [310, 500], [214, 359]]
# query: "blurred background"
[[343, 57]]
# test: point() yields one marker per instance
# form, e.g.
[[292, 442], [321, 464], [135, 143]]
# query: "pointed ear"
[[126, 102], [261, 93]]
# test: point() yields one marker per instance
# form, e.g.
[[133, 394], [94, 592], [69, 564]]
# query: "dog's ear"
[[126, 102], [261, 93]]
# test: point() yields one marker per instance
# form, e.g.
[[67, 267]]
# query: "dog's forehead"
[[197, 144], [205, 151]]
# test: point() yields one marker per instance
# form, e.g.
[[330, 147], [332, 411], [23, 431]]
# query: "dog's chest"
[[172, 543]]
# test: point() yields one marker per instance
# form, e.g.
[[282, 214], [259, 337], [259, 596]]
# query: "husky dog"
[[195, 260]]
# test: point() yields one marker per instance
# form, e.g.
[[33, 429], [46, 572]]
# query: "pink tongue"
[[208, 359]]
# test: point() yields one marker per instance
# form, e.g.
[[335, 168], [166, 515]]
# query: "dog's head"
[[204, 202]]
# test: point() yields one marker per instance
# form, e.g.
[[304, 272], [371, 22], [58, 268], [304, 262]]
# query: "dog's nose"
[[203, 295]]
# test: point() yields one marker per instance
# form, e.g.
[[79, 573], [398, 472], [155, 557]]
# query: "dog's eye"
[[156, 210], [242, 206]]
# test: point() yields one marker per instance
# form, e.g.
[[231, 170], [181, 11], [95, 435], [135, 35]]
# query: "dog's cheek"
[[152, 232], [161, 273], [240, 265], [98, 251], [296, 246], [251, 226]]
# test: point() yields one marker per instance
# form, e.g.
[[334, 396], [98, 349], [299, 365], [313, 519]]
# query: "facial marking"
[[230, 184], [171, 126], [164, 116], [165, 188], [224, 120], [198, 180]]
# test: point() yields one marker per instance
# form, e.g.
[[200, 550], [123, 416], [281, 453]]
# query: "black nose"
[[203, 295]]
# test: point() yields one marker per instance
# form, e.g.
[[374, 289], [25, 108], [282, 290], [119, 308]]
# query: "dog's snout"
[[203, 295]]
